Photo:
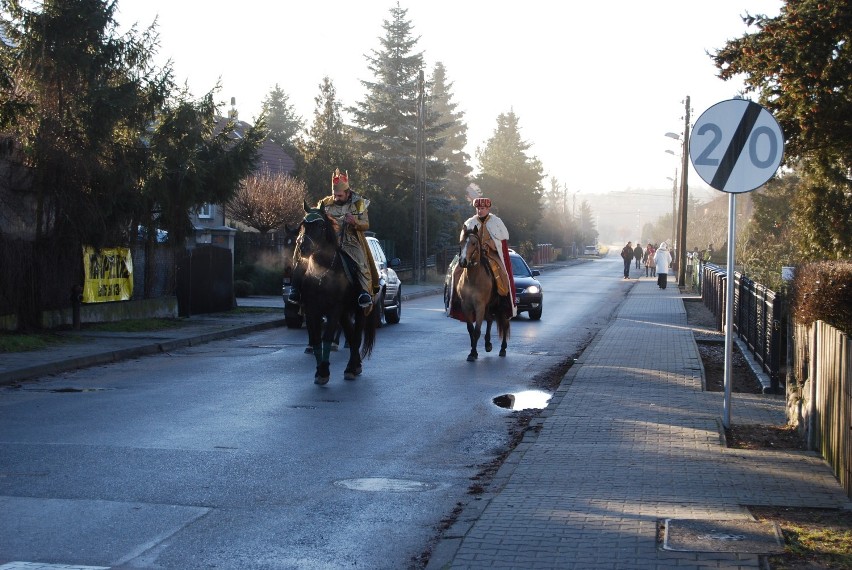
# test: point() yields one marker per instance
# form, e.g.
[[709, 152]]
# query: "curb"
[[13, 376]]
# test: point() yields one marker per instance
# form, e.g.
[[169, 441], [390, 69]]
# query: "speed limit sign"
[[736, 146]]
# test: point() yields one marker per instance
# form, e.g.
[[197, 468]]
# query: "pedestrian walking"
[[627, 256], [648, 258], [663, 260], [637, 253]]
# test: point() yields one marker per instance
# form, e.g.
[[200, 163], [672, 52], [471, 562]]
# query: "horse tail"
[[371, 324], [503, 323]]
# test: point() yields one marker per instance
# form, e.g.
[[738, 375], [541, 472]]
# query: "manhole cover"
[[376, 484], [743, 536]]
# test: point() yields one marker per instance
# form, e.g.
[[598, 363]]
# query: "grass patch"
[[137, 325], [15, 342], [816, 539]]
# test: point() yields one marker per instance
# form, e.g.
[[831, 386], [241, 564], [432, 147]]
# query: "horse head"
[[316, 231], [470, 247]]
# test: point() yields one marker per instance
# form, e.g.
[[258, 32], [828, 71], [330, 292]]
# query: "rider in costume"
[[348, 212], [495, 238]]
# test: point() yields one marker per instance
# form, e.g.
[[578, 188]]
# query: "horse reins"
[[313, 241]]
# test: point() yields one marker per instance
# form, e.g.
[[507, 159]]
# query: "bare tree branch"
[[267, 201]]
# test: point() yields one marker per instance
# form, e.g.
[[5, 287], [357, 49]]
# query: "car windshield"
[[519, 267]]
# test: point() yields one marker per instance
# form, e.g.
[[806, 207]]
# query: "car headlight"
[[532, 289]]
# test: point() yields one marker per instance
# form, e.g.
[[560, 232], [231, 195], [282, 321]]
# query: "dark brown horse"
[[330, 291], [476, 291]]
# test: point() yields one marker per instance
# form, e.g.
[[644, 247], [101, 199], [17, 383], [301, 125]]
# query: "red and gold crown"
[[482, 203], [339, 181]]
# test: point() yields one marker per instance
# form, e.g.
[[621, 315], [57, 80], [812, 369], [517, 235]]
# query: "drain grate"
[[736, 535]]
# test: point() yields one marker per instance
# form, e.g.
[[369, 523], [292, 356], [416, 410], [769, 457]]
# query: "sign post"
[[736, 146]]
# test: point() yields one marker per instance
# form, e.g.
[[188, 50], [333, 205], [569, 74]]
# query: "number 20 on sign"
[[736, 146]]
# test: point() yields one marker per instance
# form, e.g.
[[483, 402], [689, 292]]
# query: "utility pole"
[[420, 188], [674, 207], [684, 201]]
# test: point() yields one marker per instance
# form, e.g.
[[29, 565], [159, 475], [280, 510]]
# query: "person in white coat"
[[663, 259]]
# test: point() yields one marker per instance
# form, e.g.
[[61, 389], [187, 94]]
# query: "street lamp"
[[674, 203]]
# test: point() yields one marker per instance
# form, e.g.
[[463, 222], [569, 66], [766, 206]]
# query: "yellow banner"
[[108, 274]]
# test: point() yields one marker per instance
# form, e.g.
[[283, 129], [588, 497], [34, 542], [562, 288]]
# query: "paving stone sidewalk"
[[628, 441]]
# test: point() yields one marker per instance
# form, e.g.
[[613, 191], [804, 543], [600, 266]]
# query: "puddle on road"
[[526, 400]]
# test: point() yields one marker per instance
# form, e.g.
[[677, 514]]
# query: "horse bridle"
[[311, 218], [480, 248]]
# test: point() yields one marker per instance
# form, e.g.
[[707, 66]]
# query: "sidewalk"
[[628, 441], [92, 348]]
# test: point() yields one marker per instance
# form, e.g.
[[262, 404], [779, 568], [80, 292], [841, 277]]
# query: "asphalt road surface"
[[227, 455]]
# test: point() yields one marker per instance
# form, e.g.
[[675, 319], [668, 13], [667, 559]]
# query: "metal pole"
[[674, 207], [729, 308], [684, 201]]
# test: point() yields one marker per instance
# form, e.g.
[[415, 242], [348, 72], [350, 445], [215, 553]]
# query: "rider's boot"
[[364, 300], [295, 296]]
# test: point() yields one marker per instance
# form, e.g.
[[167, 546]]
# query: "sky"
[[595, 85]]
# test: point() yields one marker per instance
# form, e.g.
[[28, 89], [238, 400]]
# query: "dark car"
[[529, 296], [390, 294]]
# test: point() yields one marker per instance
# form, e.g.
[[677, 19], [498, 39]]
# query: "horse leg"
[[488, 345], [503, 329], [474, 332], [353, 333], [319, 347]]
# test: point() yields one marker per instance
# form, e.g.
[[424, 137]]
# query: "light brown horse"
[[476, 291]]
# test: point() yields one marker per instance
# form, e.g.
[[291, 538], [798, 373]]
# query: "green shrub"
[[243, 288], [822, 291]]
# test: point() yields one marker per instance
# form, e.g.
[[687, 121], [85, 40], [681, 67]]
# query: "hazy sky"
[[595, 85]]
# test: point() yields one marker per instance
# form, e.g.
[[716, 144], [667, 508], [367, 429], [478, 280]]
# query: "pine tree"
[[800, 65], [284, 124], [386, 131], [512, 180], [75, 101], [328, 145], [449, 203], [194, 160]]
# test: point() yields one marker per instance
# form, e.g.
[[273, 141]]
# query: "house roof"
[[272, 157]]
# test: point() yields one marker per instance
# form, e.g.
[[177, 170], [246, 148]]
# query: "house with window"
[[208, 222]]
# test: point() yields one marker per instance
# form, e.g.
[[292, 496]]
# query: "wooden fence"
[[811, 360], [821, 364]]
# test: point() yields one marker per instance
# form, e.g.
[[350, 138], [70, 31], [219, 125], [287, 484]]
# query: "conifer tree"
[[386, 127], [283, 123], [328, 145], [76, 98], [800, 65], [512, 179], [448, 199]]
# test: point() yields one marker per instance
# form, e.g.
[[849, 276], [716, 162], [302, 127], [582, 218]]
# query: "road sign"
[[736, 146]]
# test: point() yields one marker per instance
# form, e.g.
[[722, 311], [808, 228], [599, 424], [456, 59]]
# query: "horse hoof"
[[472, 357], [352, 373], [488, 347], [321, 380], [503, 352]]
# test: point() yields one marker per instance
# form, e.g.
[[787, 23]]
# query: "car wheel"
[[392, 317], [535, 314]]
